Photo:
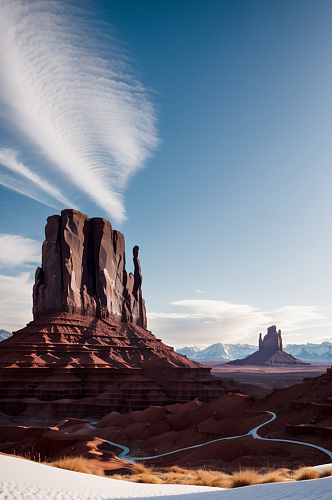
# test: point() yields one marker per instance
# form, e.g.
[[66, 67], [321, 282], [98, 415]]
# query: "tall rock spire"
[[83, 271]]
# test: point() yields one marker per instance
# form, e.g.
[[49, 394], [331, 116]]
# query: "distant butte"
[[270, 352], [88, 350]]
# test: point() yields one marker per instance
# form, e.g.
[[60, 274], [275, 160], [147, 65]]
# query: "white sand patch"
[[24, 480]]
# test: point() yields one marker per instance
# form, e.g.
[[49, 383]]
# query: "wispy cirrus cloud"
[[211, 321], [16, 250], [69, 89], [28, 182]]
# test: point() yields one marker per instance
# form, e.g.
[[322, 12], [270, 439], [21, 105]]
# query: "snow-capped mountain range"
[[317, 352], [4, 334], [219, 352], [226, 352]]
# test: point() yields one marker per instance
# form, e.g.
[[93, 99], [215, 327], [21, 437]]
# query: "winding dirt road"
[[125, 450]]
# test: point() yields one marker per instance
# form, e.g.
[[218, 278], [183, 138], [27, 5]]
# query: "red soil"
[[158, 430]]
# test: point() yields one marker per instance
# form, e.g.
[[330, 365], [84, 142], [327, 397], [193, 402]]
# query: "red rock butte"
[[88, 350], [270, 352]]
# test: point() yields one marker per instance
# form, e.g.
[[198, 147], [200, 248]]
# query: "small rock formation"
[[270, 352], [271, 340], [88, 350], [83, 271]]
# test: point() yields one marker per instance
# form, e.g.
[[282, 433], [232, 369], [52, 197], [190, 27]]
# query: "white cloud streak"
[[16, 250], [212, 321], [69, 89], [15, 301], [8, 158]]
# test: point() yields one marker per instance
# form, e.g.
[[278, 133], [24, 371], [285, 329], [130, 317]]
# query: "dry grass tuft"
[[144, 477], [177, 478], [138, 468], [77, 464], [149, 478], [179, 470], [211, 478], [305, 473], [325, 473], [177, 475], [200, 477], [244, 477], [218, 479], [275, 476]]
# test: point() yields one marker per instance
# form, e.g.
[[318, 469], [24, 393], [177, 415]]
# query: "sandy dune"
[[22, 479]]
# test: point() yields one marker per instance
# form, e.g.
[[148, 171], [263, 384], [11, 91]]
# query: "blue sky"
[[201, 130]]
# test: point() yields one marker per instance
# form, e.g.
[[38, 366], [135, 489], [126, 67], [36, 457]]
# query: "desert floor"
[[269, 377]]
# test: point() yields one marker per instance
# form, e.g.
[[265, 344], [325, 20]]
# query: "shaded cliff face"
[[83, 271]]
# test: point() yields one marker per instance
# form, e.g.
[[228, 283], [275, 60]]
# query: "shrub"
[[177, 478], [176, 475], [212, 478], [138, 468], [77, 464], [179, 470], [144, 477], [275, 476], [244, 477], [305, 473], [200, 477], [325, 473]]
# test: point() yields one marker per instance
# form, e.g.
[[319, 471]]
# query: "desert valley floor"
[[303, 414], [263, 379]]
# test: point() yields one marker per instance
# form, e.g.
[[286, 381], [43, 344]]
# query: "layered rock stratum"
[[88, 350]]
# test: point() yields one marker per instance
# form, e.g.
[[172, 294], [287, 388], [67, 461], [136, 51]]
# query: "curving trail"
[[124, 453], [254, 434]]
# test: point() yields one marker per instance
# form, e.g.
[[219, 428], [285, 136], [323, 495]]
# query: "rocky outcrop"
[[74, 365], [270, 352], [88, 351], [83, 271], [272, 340]]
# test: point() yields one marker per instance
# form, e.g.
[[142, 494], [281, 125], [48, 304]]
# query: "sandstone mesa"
[[88, 350]]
